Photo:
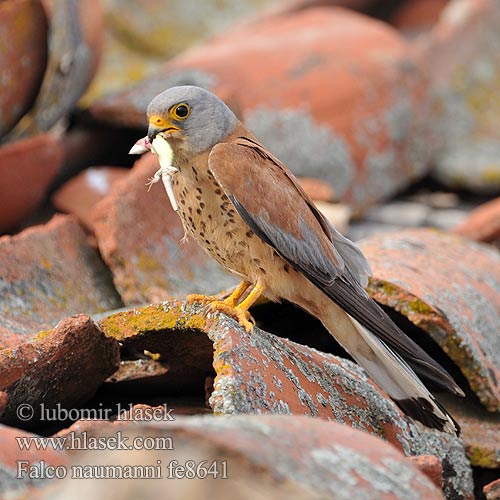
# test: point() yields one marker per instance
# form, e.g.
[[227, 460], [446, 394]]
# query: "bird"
[[248, 211]]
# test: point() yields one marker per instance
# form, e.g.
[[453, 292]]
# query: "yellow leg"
[[236, 294], [240, 312], [252, 297]]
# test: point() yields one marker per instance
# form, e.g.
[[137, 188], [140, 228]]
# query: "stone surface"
[[10, 454], [23, 55], [74, 41], [323, 456], [431, 466], [266, 374], [139, 237], [492, 490], [142, 34], [337, 214], [408, 212], [365, 135], [317, 189], [463, 56], [174, 332], [137, 369], [49, 272], [80, 194], [482, 224], [436, 199], [27, 168], [446, 220], [290, 6], [48, 371], [257, 374], [404, 213], [480, 432], [423, 209], [449, 287], [415, 17], [265, 457]]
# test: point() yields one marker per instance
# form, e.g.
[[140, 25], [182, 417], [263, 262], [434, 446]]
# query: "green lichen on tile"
[[221, 365], [147, 263], [9, 352], [393, 296], [41, 335], [460, 354], [380, 286], [491, 173], [417, 306], [437, 326], [163, 316], [481, 457]]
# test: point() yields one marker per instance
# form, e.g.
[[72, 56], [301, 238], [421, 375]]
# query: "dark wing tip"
[[426, 412]]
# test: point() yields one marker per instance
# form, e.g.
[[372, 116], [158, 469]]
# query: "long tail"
[[390, 372]]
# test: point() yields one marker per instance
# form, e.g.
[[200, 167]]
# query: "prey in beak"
[[161, 148], [158, 126], [142, 146]]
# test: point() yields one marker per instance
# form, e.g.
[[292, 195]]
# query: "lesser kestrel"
[[247, 210]]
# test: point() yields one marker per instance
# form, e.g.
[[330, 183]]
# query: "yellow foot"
[[241, 315], [198, 297], [229, 307]]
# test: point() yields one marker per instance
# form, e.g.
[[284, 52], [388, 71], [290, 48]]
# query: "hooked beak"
[[157, 124], [153, 131]]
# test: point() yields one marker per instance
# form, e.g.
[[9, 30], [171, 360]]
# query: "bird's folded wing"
[[275, 207]]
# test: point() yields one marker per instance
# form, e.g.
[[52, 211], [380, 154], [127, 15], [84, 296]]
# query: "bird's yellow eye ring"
[[180, 111]]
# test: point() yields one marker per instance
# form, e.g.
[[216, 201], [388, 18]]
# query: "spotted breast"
[[209, 216]]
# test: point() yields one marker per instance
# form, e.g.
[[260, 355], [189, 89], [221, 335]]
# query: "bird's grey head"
[[191, 118]]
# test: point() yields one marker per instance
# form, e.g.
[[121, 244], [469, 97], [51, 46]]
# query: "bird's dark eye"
[[181, 111]]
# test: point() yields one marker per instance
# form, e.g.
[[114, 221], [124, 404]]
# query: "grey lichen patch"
[[462, 314], [308, 401], [259, 388], [341, 388], [457, 473], [321, 399], [163, 265], [222, 404], [336, 462], [46, 289], [278, 383], [398, 118], [373, 410], [368, 477], [401, 157], [280, 407], [312, 149], [474, 166], [341, 391], [466, 98]]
